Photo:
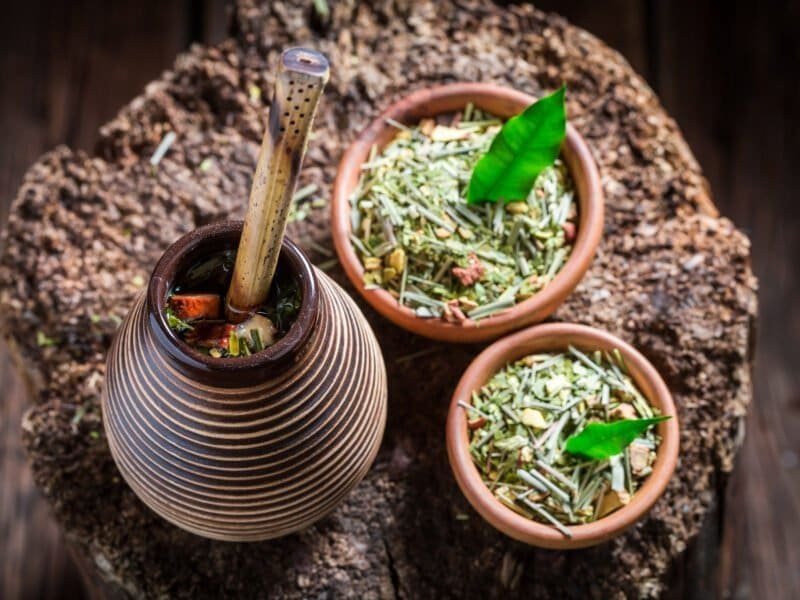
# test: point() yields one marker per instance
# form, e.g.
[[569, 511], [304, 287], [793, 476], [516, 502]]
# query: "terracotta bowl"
[[245, 449], [557, 337], [505, 103]]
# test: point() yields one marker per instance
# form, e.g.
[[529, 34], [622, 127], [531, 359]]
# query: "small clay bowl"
[[557, 337], [505, 103]]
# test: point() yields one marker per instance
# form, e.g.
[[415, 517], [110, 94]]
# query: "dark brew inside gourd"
[[195, 309]]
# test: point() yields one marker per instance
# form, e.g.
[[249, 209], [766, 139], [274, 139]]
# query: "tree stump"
[[671, 277]]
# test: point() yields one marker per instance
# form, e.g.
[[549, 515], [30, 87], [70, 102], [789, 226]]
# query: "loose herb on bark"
[[418, 238], [523, 420]]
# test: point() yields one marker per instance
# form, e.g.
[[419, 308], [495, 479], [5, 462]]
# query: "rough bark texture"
[[671, 277]]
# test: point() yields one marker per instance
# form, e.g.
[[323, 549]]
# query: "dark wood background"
[[728, 73]]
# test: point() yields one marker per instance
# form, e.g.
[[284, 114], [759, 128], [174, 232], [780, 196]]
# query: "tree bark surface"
[[671, 276]]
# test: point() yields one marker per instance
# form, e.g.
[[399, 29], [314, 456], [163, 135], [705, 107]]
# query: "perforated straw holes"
[[293, 118]]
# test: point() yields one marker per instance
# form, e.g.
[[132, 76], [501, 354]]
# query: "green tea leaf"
[[527, 144], [175, 323], [602, 440]]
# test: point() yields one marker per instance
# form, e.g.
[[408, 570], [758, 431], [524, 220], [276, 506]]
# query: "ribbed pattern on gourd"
[[253, 462]]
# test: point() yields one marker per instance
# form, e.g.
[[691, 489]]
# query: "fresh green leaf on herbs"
[[526, 145], [603, 440]]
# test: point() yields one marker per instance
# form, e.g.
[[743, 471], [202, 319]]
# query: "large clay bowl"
[[505, 103], [558, 337], [245, 448]]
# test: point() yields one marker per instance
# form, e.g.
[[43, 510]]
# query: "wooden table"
[[312, 230]]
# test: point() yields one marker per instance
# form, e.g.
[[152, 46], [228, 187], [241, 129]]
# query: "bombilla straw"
[[302, 76]]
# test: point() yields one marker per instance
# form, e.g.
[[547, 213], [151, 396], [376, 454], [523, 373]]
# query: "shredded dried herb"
[[418, 238], [304, 201], [523, 419], [43, 340]]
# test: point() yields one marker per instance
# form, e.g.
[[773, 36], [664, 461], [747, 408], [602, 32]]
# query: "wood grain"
[[67, 67], [729, 78], [35, 563]]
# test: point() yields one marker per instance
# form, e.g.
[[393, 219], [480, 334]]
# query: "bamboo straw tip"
[[307, 61]]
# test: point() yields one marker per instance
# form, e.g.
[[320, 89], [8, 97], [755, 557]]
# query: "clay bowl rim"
[[220, 234], [504, 102], [557, 336]]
